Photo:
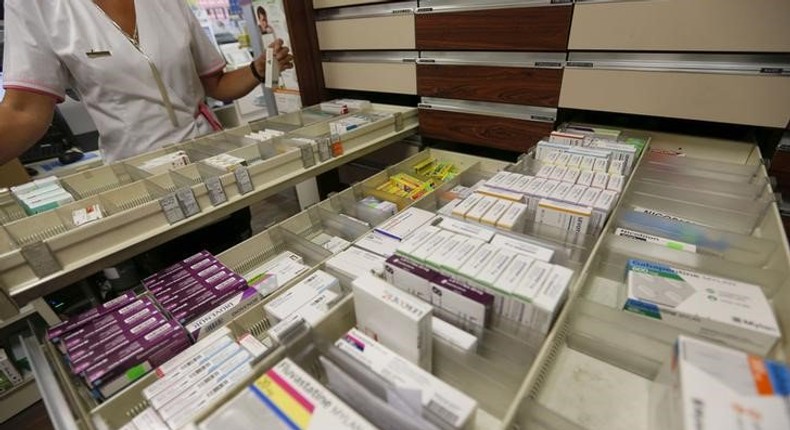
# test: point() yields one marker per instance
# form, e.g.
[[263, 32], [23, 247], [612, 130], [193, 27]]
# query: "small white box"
[[590, 196], [562, 159], [558, 173], [550, 298], [447, 209], [550, 157], [587, 164], [575, 194], [723, 310], [411, 244], [545, 171], [616, 183], [601, 165], [522, 183], [355, 262], [575, 161], [565, 216], [481, 208], [603, 206], [315, 310], [462, 254], [378, 243], [560, 191], [465, 228], [600, 180], [510, 182], [657, 240], [432, 245], [444, 405], [571, 176], [297, 296], [495, 212], [617, 167], [453, 335], [495, 267], [585, 178], [440, 256], [523, 247], [394, 318], [527, 291], [514, 218], [478, 261], [713, 387], [405, 223], [465, 206], [507, 283], [498, 179]]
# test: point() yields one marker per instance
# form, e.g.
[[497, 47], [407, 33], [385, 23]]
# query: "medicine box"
[[723, 310], [394, 318]]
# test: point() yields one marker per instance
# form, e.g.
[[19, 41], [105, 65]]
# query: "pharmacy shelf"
[[597, 368], [594, 370], [287, 235], [141, 224], [18, 399]]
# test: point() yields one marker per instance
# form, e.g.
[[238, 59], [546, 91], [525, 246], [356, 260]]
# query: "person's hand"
[[283, 55]]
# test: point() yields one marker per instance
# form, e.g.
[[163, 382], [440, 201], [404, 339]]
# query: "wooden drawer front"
[[683, 25], [382, 77], [728, 98], [526, 86], [495, 132], [509, 29], [391, 32]]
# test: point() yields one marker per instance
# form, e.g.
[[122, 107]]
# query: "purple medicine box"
[[57, 331], [103, 341], [129, 314], [158, 345]]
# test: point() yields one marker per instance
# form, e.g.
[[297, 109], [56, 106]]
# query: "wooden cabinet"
[[543, 28]]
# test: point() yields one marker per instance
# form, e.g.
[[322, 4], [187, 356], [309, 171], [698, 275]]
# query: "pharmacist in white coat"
[[142, 69]]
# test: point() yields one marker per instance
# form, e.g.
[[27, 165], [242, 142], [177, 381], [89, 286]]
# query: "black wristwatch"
[[255, 73]]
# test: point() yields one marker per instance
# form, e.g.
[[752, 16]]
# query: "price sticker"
[[216, 192], [186, 198], [172, 208], [243, 180]]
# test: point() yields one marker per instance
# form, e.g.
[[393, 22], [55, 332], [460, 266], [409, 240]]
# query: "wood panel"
[[736, 99], [391, 32], [524, 86], [494, 132], [323, 4], [683, 25], [307, 56], [510, 29]]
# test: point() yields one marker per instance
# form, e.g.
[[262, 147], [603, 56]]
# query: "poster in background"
[[271, 21]]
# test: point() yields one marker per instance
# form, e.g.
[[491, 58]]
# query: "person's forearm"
[[234, 85], [19, 130]]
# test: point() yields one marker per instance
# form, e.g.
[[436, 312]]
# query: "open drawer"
[[681, 25], [530, 79], [598, 370], [717, 88], [497, 125], [380, 26], [493, 25]]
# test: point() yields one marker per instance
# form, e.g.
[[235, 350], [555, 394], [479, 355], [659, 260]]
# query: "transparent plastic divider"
[[696, 214], [690, 193], [526, 164], [139, 160], [262, 247], [10, 208], [618, 250], [316, 220], [100, 179], [709, 241], [730, 172], [711, 185], [134, 195], [7, 243], [37, 228], [534, 416]]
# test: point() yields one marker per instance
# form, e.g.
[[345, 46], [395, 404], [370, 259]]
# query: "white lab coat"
[[52, 45]]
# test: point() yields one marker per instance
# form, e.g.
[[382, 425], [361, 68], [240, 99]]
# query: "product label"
[[649, 238]]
